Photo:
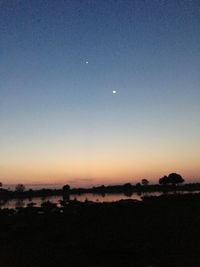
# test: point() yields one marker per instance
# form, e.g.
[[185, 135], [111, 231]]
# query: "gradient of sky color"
[[59, 119]]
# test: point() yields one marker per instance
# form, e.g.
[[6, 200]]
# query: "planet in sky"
[[121, 118]]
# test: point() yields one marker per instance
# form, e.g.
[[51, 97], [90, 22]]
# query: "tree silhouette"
[[66, 191], [163, 180], [175, 178], [127, 186], [145, 182], [138, 185], [172, 178], [127, 189], [20, 188], [66, 188]]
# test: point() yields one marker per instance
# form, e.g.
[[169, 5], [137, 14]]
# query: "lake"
[[109, 197], [19, 203]]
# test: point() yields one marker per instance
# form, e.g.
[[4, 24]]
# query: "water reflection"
[[20, 203], [37, 201], [3, 202]]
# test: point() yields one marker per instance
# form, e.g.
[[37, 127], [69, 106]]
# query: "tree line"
[[172, 179]]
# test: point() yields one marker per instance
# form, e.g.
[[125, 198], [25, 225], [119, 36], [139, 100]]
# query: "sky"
[[60, 62]]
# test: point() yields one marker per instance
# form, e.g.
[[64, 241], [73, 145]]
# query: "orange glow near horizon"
[[104, 163], [99, 170]]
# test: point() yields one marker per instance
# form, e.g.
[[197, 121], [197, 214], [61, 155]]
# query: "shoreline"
[[159, 231]]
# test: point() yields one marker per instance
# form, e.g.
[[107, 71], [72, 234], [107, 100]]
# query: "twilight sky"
[[60, 61]]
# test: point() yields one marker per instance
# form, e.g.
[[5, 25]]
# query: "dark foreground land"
[[162, 231]]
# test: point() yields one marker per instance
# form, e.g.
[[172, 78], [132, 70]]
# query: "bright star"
[[114, 92]]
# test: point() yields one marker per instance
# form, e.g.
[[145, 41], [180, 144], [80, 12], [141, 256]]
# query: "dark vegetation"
[[172, 178], [159, 231], [173, 182]]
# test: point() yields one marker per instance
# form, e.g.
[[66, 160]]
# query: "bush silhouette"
[[48, 206]]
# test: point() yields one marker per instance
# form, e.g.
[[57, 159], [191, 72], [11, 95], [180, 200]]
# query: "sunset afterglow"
[[99, 92]]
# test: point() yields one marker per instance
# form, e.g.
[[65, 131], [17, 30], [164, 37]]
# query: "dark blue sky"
[[58, 114]]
